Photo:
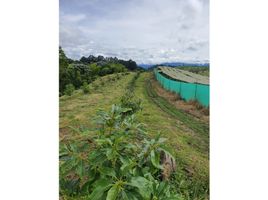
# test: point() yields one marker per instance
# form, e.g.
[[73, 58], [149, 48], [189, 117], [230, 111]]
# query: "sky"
[[146, 31]]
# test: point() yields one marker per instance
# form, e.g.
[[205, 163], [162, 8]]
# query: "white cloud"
[[147, 31], [73, 18]]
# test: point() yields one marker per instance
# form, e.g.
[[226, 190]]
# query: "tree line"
[[76, 73]]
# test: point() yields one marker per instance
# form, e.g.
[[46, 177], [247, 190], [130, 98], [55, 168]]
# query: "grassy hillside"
[[78, 110], [187, 137]]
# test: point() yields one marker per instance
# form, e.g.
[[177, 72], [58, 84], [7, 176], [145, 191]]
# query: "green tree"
[[63, 74]]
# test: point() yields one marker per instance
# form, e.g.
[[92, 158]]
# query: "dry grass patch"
[[192, 107]]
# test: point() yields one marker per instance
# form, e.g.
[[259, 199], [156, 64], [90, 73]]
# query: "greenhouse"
[[189, 86]]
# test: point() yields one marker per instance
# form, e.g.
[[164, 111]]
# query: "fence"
[[187, 91]]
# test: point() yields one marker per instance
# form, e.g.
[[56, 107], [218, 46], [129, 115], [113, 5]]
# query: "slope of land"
[[80, 109], [191, 107], [187, 136]]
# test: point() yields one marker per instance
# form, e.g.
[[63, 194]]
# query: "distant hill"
[[174, 64]]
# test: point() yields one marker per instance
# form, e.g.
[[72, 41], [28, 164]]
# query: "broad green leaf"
[[145, 170], [91, 174], [149, 176], [100, 187], [144, 186], [96, 158], [155, 159], [111, 154], [136, 172], [107, 171], [163, 186], [124, 195], [127, 165], [129, 195], [113, 192]]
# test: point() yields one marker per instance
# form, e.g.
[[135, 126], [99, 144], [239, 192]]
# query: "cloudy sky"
[[147, 31]]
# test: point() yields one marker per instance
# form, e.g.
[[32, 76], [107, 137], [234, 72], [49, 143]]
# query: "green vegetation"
[[128, 99], [119, 161], [187, 138], [85, 88], [115, 164], [76, 110], [187, 119], [69, 89], [189, 145], [88, 69]]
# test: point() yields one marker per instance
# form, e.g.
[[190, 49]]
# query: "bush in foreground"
[[120, 162]]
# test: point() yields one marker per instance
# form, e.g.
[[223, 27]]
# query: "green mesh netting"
[[202, 94], [187, 91]]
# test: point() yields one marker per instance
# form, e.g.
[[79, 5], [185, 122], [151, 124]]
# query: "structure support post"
[[195, 91]]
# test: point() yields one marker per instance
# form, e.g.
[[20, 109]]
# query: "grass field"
[[187, 137], [78, 109]]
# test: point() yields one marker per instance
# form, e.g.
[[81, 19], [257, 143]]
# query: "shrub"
[[69, 89], [129, 101], [85, 88], [116, 163]]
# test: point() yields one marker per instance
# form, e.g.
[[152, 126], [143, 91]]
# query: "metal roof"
[[182, 75]]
